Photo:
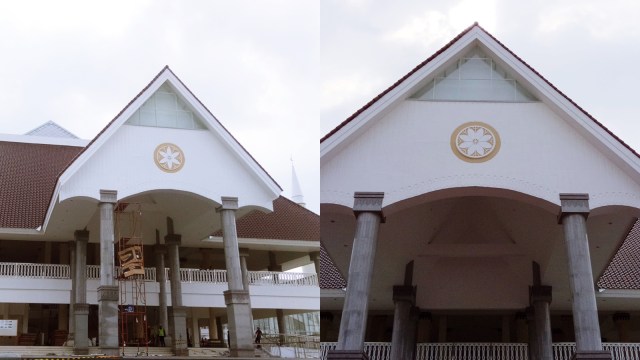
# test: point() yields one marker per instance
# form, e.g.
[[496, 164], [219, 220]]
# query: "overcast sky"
[[281, 74], [254, 64], [588, 49]]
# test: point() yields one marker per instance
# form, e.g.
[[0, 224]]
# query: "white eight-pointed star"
[[475, 141], [169, 157]]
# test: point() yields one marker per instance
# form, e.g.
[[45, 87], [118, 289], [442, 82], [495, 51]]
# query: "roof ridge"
[[395, 84], [440, 51]]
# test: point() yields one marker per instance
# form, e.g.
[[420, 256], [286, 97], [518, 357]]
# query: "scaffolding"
[[132, 306]]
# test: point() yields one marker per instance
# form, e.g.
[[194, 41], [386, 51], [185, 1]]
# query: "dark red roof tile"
[[330, 276], [623, 272], [288, 221], [28, 174]]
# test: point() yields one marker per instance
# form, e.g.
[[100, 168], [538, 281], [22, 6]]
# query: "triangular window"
[[166, 109], [475, 77]]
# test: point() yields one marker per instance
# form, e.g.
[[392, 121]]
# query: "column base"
[[80, 351], [592, 355], [181, 352], [108, 318], [347, 355], [242, 353], [110, 350], [81, 335]]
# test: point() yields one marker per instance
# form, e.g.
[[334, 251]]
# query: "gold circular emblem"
[[169, 157], [475, 142]]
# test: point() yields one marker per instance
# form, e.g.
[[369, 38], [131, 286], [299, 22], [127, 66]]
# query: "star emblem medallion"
[[475, 142], [169, 157]]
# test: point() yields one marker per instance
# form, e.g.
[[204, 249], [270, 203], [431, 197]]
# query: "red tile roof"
[[623, 272], [288, 221], [444, 48], [330, 276], [28, 174]]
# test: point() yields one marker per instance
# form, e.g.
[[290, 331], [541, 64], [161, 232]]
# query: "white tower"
[[296, 192]]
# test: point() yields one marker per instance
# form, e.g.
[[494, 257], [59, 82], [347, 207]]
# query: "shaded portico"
[[473, 251]]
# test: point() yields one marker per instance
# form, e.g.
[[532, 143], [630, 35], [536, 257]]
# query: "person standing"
[[161, 334], [258, 335]]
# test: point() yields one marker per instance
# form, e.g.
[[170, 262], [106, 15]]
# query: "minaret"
[[296, 193]]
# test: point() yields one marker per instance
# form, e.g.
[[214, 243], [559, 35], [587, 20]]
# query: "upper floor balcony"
[[51, 283]]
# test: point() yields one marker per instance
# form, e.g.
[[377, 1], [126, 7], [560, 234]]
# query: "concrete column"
[[621, 320], [404, 323], [506, 329], [108, 289], [63, 317], [282, 325], [236, 298], [195, 330], [72, 300], [63, 309], [368, 210], [178, 321], [25, 317], [213, 326], [315, 257], [81, 308], [219, 330], [424, 328], [442, 328], [573, 217], [534, 346], [540, 298], [47, 253], [160, 251], [522, 333], [244, 254]]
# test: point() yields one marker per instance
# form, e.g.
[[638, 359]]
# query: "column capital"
[[244, 252], [228, 203], [404, 293], [540, 293], [368, 202], [108, 196], [236, 297], [81, 235], [573, 204], [108, 293], [173, 239]]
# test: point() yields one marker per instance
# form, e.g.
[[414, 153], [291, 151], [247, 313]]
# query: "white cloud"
[[438, 27], [345, 89], [603, 21]]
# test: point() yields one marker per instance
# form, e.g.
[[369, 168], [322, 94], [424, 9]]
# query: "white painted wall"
[[57, 291], [126, 163], [407, 153]]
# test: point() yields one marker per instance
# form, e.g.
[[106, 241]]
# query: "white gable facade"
[[476, 183]]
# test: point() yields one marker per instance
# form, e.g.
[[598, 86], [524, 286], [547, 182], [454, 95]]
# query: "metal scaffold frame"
[[132, 305]]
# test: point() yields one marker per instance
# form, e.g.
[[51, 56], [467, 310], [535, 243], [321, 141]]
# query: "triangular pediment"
[[166, 124], [474, 77], [474, 82]]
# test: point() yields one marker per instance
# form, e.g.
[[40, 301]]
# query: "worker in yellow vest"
[[161, 334]]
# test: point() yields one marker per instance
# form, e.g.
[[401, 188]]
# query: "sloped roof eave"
[[356, 114], [119, 115]]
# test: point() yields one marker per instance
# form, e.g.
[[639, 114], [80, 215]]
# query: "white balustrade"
[[199, 275], [623, 351], [29, 270], [486, 351], [256, 278], [282, 278]]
